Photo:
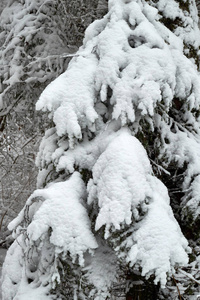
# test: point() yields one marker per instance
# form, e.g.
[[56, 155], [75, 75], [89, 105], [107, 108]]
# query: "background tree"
[[125, 126]]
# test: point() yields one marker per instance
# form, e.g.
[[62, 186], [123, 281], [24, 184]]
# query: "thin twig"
[[190, 276], [160, 168], [9, 108], [29, 140], [2, 218], [177, 287]]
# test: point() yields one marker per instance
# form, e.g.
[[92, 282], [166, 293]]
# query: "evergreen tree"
[[117, 203]]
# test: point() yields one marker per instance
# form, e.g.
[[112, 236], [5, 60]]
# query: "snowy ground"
[[2, 256]]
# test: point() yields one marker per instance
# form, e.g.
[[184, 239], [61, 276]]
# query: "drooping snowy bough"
[[120, 163]]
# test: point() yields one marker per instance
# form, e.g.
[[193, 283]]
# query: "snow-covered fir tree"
[[118, 202]]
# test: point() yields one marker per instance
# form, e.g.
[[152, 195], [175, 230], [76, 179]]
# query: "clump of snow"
[[182, 147], [119, 181], [58, 223], [30, 292], [141, 73], [171, 9], [62, 212], [15, 285], [123, 186], [151, 245], [70, 103], [12, 270]]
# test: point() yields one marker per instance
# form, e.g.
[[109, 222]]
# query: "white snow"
[[123, 186], [58, 209], [140, 78], [25, 27], [152, 245], [63, 212], [125, 77], [13, 267], [72, 103], [119, 182]]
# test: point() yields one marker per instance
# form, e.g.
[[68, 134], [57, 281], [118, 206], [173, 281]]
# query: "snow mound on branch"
[[71, 98], [189, 33], [85, 154], [63, 213], [15, 285], [119, 181], [157, 242], [124, 188], [12, 265], [57, 226]]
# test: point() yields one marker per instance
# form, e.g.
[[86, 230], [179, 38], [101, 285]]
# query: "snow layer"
[[58, 225], [12, 271], [125, 190], [67, 113], [152, 245], [119, 181], [62, 212], [15, 285]]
